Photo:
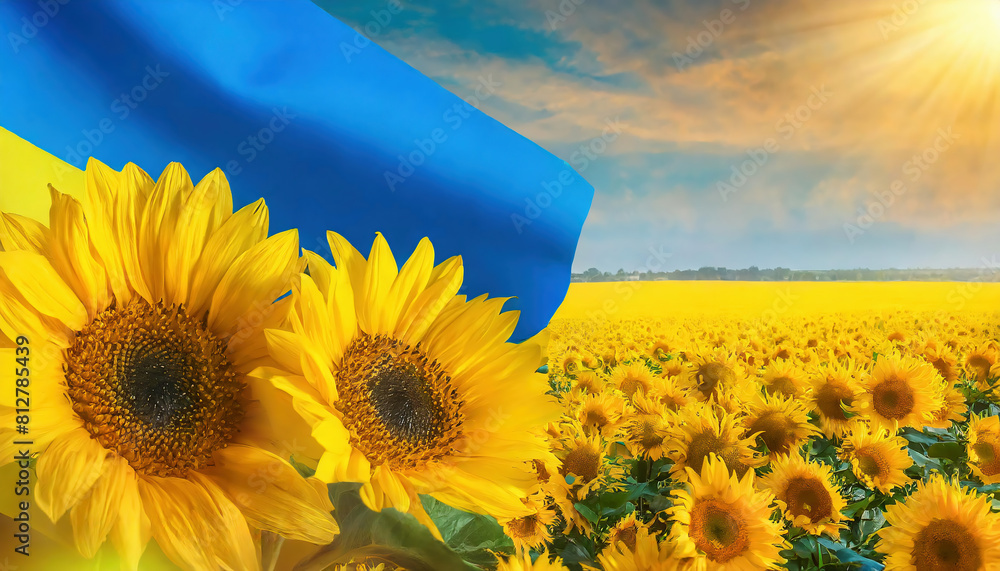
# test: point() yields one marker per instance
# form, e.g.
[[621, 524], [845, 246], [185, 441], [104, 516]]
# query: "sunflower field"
[[834, 442], [185, 390]]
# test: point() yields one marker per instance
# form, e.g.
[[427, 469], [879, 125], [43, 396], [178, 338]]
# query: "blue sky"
[[838, 99]]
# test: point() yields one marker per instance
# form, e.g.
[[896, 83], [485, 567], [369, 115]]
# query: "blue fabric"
[[300, 109]]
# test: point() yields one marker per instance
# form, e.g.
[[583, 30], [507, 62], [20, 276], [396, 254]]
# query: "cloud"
[[854, 97]]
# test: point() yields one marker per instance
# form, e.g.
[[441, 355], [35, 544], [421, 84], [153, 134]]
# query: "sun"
[[981, 18]]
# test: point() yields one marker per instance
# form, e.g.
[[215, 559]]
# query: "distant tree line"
[[755, 274]]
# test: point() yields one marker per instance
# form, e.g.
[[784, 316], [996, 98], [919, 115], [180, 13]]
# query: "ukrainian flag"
[[296, 107]]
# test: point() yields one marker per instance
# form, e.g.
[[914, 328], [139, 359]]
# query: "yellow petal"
[[195, 524], [305, 399], [96, 513], [347, 257], [132, 530], [320, 270], [71, 254], [66, 471], [333, 437], [42, 287], [381, 272], [409, 283], [99, 209], [273, 495], [285, 347], [158, 227], [133, 194], [418, 317], [210, 204], [22, 233], [392, 488], [342, 315], [256, 279], [236, 235], [316, 369], [316, 326], [18, 318]]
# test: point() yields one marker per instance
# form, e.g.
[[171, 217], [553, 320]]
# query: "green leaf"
[[949, 450], [915, 436], [304, 470], [586, 512], [852, 509], [473, 536], [387, 536]]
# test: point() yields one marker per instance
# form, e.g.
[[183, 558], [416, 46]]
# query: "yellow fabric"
[[25, 173]]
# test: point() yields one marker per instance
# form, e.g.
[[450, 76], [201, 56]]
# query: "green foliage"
[[387, 536]]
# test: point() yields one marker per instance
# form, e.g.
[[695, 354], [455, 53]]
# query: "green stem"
[[270, 544]]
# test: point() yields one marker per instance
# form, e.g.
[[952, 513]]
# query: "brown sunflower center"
[[831, 398], [777, 431], [707, 442], [945, 544], [808, 497], [988, 460], [648, 433], [893, 398], [399, 406], [782, 385], [152, 384], [631, 384], [523, 527], [871, 464], [596, 417], [711, 375], [625, 535], [584, 461], [945, 368], [718, 529], [979, 366]]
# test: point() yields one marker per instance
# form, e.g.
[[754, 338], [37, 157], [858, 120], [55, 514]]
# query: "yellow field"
[[771, 299], [837, 407]]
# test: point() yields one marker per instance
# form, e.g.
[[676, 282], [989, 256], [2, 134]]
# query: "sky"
[[796, 133]]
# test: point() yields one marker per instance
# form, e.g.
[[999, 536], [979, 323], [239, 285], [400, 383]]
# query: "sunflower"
[[944, 360], [953, 408], [941, 526], [661, 349], [642, 552], [808, 495], [531, 531], [984, 448], [726, 520], [522, 562], [670, 394], [834, 391], [582, 462], [625, 531], [672, 369], [901, 391], [779, 423], [150, 317], [701, 430], [601, 413], [632, 378], [409, 388], [646, 428], [978, 363], [878, 459], [782, 377], [710, 373], [569, 362], [587, 383]]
